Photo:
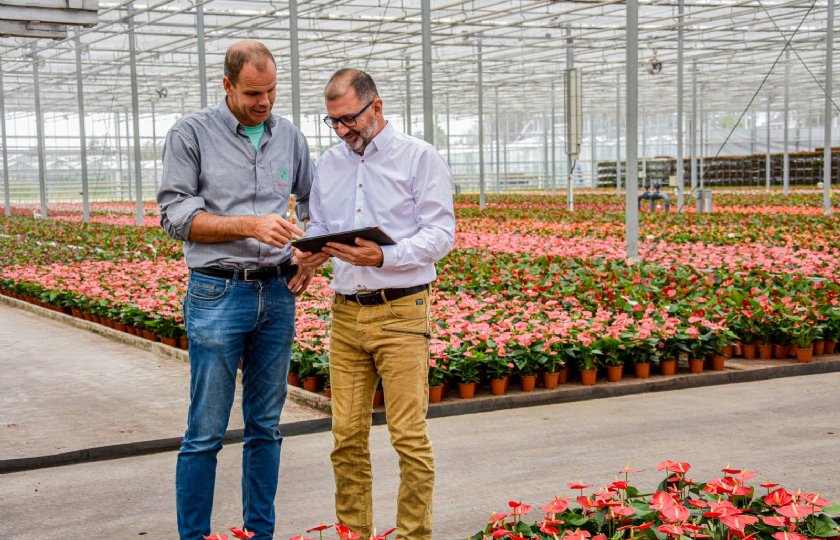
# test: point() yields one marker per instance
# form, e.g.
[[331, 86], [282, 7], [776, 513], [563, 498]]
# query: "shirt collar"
[[231, 121]]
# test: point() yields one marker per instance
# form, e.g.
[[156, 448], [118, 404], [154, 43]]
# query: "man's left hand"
[[301, 280], [364, 253]]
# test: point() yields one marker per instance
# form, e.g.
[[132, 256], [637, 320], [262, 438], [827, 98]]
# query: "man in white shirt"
[[380, 315]]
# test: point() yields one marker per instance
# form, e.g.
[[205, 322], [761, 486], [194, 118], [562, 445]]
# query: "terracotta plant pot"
[[695, 365], [780, 351], [615, 373], [818, 347], [379, 397], [718, 362], [830, 346], [551, 380], [528, 383], [588, 376], [804, 354], [466, 390], [311, 384], [749, 351], [184, 343], [328, 392], [435, 393], [293, 379], [728, 351], [668, 367], [765, 351], [642, 370], [564, 375], [498, 386], [148, 334], [171, 341]]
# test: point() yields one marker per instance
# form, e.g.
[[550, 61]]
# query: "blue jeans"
[[228, 320]]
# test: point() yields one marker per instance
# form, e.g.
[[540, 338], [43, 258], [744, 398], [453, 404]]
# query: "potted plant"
[[497, 368], [611, 357], [437, 376], [587, 358], [467, 372], [526, 366], [554, 369]]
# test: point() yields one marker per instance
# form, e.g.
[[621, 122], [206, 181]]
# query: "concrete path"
[[786, 428]]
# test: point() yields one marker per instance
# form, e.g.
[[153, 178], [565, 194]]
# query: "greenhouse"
[[554, 239]]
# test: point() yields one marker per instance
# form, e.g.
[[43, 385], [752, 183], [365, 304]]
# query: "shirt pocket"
[[282, 177]]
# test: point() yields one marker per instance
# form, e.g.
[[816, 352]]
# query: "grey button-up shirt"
[[209, 164]]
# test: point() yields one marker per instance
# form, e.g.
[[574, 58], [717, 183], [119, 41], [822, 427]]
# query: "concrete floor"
[[788, 429]]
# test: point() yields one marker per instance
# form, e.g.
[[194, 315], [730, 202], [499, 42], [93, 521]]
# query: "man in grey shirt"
[[228, 173]]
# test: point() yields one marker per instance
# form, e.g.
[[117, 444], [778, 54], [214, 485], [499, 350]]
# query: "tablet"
[[314, 244]]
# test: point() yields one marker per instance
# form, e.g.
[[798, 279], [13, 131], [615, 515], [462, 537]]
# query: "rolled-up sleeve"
[[178, 197]]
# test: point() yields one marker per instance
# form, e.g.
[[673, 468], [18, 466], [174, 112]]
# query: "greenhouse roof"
[[733, 44]]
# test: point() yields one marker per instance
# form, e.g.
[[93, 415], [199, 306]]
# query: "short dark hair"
[[246, 52], [358, 80]]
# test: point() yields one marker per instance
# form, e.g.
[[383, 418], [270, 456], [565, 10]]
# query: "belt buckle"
[[366, 298], [246, 277]]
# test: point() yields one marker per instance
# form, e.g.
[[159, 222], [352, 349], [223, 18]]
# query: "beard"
[[361, 140]]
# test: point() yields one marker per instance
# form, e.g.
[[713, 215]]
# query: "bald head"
[[347, 79], [247, 52]]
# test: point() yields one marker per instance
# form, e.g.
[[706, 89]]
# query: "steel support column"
[[428, 114], [80, 95], [39, 128], [631, 211], [135, 120]]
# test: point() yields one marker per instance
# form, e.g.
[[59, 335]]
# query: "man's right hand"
[[271, 229], [274, 230]]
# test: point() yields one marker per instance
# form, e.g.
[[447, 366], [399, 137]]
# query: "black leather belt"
[[375, 298], [285, 269]]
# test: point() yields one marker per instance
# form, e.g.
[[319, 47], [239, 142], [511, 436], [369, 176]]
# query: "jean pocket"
[[410, 308], [209, 290]]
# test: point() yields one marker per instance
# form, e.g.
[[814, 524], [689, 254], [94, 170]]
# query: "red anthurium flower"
[[496, 517], [500, 533], [784, 535], [628, 470], [698, 503], [345, 533], [730, 470], [599, 537], [242, 533], [519, 509], [216, 536], [585, 502], [618, 484], [578, 485], [675, 530], [675, 513], [642, 527], [577, 535], [660, 500], [319, 528], [300, 537], [778, 497], [383, 536], [769, 485], [815, 499], [747, 475], [674, 479], [795, 511], [674, 466], [556, 506], [517, 537], [738, 522], [774, 521], [548, 528]]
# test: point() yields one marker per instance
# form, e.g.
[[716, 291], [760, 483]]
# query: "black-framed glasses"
[[349, 120]]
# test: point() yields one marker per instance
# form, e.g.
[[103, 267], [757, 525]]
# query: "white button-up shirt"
[[403, 185]]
